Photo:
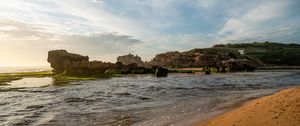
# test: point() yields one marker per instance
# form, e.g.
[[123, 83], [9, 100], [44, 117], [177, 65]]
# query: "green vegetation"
[[65, 78], [269, 53], [58, 78]]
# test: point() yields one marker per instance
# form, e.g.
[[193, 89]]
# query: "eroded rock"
[[58, 58], [131, 59]]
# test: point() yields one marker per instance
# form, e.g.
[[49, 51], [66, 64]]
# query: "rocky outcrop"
[[210, 57], [86, 67], [131, 59], [174, 59], [241, 64], [73, 64], [58, 58]]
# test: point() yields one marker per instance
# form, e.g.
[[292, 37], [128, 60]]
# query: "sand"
[[280, 109]]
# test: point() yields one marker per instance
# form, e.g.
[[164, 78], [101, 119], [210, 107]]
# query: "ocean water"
[[138, 100], [10, 69]]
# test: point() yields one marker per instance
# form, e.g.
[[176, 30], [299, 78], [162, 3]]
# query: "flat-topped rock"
[[58, 58]]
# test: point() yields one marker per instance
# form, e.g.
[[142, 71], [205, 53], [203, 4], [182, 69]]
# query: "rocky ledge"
[[74, 64]]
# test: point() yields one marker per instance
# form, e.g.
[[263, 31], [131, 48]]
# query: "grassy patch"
[[28, 74], [58, 78], [64, 78]]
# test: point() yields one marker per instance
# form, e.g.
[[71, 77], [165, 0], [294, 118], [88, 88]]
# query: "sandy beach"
[[279, 109]]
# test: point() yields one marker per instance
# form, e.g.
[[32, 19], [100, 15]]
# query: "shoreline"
[[281, 108]]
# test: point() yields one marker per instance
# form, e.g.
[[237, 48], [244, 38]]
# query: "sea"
[[135, 100], [13, 69]]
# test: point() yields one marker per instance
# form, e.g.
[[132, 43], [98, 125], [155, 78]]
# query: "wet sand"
[[279, 109]]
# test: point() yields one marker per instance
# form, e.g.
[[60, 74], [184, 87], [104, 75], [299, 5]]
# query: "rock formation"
[[174, 59], [130, 59], [161, 72], [241, 64], [73, 64], [57, 59], [86, 67], [210, 57]]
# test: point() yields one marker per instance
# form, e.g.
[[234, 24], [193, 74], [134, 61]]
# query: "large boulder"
[[161, 72], [174, 59], [131, 59], [58, 59], [241, 64]]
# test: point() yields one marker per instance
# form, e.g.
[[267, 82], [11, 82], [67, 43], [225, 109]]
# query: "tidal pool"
[[30, 82]]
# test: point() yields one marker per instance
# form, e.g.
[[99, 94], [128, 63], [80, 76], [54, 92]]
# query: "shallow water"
[[30, 82], [10, 69], [178, 99]]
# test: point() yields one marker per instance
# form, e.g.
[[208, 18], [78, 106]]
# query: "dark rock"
[[87, 67], [74, 64], [58, 58], [161, 72], [241, 64]]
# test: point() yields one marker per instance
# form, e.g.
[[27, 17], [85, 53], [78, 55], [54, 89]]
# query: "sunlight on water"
[[31, 82], [23, 69]]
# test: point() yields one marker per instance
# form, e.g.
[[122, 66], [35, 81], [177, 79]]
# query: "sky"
[[105, 29]]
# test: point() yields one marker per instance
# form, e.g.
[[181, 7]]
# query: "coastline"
[[281, 108]]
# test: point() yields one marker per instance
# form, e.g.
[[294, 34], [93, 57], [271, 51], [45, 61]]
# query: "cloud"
[[97, 1], [104, 29], [262, 23], [25, 40]]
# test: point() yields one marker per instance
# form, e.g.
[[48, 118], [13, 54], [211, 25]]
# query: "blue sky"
[[105, 29]]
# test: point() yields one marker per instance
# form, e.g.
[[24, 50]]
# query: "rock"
[[131, 59], [241, 64], [87, 67], [131, 69], [58, 58], [173, 60], [210, 57], [161, 72], [74, 64]]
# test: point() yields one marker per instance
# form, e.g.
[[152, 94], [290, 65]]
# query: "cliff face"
[[175, 59], [86, 67], [74, 64], [131, 59], [210, 57], [57, 59], [249, 55]]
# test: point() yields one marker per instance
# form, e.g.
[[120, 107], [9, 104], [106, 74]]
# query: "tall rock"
[[131, 59], [58, 58]]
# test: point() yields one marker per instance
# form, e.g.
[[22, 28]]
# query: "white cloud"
[[69, 17], [28, 42], [256, 23], [107, 28], [97, 1], [207, 3]]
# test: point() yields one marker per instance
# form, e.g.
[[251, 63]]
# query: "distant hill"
[[264, 53], [269, 53]]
